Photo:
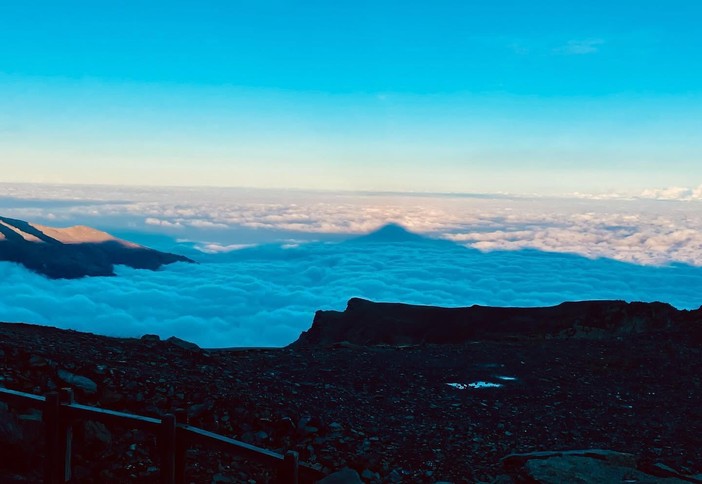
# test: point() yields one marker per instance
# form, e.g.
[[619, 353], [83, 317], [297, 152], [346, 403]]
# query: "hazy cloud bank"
[[658, 227]]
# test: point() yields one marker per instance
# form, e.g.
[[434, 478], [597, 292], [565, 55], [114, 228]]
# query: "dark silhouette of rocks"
[[372, 323], [74, 252]]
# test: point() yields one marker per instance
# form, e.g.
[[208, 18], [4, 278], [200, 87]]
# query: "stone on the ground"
[[84, 383], [344, 476]]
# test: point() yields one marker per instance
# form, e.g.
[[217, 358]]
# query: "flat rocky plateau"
[[387, 412]]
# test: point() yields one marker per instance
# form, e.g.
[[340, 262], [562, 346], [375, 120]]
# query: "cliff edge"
[[377, 323]]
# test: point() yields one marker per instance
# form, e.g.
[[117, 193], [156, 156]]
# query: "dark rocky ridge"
[[74, 252], [371, 323]]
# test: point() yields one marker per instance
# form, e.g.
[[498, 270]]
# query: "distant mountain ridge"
[[74, 252]]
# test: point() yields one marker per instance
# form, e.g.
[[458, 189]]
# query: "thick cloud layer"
[[267, 295]]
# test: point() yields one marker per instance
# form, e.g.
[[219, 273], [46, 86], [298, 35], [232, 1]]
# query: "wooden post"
[[289, 474], [167, 447], [66, 435], [50, 416], [181, 449]]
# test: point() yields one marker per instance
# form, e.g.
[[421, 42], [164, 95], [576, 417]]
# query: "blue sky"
[[508, 96]]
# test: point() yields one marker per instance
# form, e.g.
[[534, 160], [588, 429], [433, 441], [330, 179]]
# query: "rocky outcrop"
[[371, 323], [591, 466], [74, 252]]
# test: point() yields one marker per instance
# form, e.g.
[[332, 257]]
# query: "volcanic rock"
[[84, 383], [582, 466], [187, 345]]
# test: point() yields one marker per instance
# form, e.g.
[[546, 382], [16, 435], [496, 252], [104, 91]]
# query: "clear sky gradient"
[[460, 96]]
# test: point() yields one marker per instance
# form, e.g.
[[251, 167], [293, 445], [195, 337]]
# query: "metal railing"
[[174, 437]]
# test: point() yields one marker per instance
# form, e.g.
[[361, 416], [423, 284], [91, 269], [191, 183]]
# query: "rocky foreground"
[[386, 412]]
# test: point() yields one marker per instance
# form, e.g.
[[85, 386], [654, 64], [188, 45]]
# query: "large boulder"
[[582, 467], [77, 381]]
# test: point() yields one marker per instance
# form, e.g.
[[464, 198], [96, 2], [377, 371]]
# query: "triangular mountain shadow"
[[394, 233]]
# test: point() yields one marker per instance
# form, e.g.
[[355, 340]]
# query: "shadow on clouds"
[[267, 294]]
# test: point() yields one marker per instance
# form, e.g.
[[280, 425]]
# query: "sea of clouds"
[[269, 259]]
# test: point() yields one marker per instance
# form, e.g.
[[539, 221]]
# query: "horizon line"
[[368, 192]]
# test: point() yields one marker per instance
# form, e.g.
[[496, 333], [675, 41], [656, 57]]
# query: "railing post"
[[66, 434], [181, 449], [167, 447], [52, 452], [289, 473]]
